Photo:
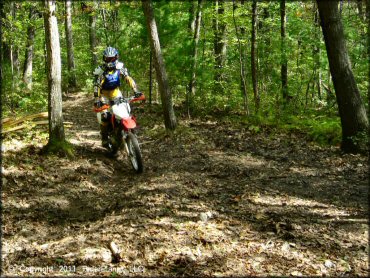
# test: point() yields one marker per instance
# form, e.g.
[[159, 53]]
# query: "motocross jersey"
[[107, 82], [111, 80]]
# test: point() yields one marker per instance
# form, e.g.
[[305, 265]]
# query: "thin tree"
[[368, 53], [220, 46], [284, 62], [192, 83], [351, 109], [72, 83], [104, 16], [115, 22], [1, 49], [150, 76], [254, 56], [56, 127], [242, 70], [15, 48], [317, 52], [192, 17], [12, 52], [166, 96], [111, 24], [28, 59], [1, 72], [92, 34], [360, 9]]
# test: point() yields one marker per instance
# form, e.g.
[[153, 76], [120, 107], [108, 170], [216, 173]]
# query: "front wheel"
[[134, 153]]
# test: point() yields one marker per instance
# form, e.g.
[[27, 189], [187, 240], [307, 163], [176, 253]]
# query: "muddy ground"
[[214, 199]]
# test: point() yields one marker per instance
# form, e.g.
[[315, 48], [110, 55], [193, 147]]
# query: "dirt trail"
[[213, 200]]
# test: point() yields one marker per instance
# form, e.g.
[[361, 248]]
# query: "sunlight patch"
[[284, 200], [58, 201], [88, 185], [19, 204], [304, 171], [312, 206], [244, 159]]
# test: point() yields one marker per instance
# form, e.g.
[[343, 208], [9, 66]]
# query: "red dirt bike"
[[121, 134]]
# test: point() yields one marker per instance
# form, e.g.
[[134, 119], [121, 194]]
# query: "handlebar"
[[132, 99], [142, 98], [100, 109], [120, 100]]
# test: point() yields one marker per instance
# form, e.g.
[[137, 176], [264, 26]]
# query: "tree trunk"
[[166, 96], [114, 16], [56, 127], [219, 27], [72, 83], [351, 109], [368, 52], [242, 70], [284, 62], [150, 76], [1, 48], [12, 67], [27, 68], [105, 24], [92, 33], [264, 49], [360, 9], [15, 47], [317, 54], [266, 15], [192, 17], [203, 55], [45, 56], [16, 62], [254, 56], [11, 49], [244, 51], [192, 83]]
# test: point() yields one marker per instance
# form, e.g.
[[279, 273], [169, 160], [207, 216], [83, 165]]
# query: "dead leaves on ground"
[[214, 200]]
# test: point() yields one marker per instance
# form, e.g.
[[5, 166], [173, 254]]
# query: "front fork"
[[124, 136]]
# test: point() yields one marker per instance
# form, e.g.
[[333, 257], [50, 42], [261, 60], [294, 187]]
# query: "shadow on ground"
[[255, 205]]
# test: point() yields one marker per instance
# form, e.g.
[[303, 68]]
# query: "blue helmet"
[[110, 57]]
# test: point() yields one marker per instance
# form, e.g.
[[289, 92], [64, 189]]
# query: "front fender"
[[128, 123]]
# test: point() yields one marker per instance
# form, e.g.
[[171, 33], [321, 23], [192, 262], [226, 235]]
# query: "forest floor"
[[215, 198]]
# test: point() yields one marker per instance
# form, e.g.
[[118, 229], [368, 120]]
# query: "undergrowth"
[[322, 129], [315, 125]]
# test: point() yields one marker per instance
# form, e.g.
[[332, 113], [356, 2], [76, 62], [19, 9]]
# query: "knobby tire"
[[133, 146]]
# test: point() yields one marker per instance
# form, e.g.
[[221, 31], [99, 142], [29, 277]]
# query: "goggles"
[[110, 59]]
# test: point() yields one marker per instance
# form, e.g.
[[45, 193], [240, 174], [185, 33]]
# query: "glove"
[[138, 94]]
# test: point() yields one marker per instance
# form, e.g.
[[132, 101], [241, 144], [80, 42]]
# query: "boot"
[[104, 129]]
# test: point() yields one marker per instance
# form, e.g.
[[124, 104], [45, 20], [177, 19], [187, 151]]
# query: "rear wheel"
[[134, 153]]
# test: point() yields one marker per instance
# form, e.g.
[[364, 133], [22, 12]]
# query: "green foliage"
[[20, 100], [361, 141], [323, 130], [309, 110], [317, 127], [59, 261]]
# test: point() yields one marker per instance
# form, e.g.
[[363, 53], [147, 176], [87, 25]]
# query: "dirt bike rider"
[[107, 80]]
